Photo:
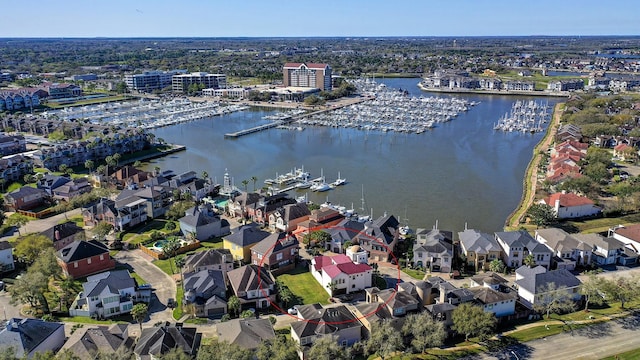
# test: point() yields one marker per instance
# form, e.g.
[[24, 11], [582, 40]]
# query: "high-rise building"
[[150, 80], [181, 83], [307, 75]]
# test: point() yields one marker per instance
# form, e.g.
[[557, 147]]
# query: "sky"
[[303, 18]]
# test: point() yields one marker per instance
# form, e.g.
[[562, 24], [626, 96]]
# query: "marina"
[[525, 116]]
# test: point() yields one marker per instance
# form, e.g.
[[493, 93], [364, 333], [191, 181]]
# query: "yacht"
[[303, 185], [339, 181]]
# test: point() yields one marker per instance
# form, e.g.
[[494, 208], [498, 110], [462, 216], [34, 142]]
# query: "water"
[[460, 172]]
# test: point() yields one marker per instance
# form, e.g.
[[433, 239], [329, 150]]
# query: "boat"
[[339, 181], [321, 187], [303, 185]]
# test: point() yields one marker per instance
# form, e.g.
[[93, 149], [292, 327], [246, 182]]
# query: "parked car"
[[171, 303]]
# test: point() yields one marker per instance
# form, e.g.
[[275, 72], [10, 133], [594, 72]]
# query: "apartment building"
[[307, 75], [181, 82]]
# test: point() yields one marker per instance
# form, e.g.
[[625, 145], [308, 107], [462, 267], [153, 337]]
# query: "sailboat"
[[363, 218], [339, 181]]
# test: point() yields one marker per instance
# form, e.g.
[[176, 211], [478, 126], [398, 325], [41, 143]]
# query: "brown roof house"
[[277, 252], [246, 333], [253, 285], [26, 198], [64, 234], [571, 206], [159, 340], [287, 218], [88, 343]]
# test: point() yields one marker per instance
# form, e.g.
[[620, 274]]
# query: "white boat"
[[322, 187], [303, 185], [339, 181]]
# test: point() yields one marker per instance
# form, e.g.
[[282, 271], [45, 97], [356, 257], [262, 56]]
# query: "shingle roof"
[[24, 335], [209, 257], [322, 321], [275, 242], [79, 250], [205, 281], [481, 243], [247, 235], [248, 277], [159, 340], [247, 333], [63, 230], [112, 280], [561, 278], [87, 343], [488, 295]]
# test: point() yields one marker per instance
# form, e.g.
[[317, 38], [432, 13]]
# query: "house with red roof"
[[624, 152], [571, 206], [339, 275]]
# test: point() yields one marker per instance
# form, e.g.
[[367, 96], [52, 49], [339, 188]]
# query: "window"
[[278, 256], [75, 264], [88, 261], [540, 257], [101, 257]]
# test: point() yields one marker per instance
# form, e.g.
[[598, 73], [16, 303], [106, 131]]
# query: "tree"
[[63, 168], [47, 264], [169, 249], [384, 340], [247, 314], [327, 348], [254, 179], [29, 247], [121, 88], [224, 350], [111, 162], [17, 220], [176, 353], [117, 158], [139, 312], [497, 266], [424, 331], [529, 260], [178, 209], [317, 238], [30, 289], [541, 214], [102, 229], [472, 320], [205, 175], [180, 262], [593, 291], [89, 164], [279, 348], [623, 289], [552, 299], [245, 182], [234, 304], [137, 164], [170, 226], [101, 169]]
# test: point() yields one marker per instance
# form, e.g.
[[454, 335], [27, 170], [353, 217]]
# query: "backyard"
[[305, 287]]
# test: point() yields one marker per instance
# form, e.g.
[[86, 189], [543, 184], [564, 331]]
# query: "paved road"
[[40, 225], [7, 310], [164, 285]]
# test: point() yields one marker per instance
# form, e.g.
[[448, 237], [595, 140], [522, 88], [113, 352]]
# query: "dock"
[[291, 119]]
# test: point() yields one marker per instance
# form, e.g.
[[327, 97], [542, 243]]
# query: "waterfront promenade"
[[531, 175], [562, 94]]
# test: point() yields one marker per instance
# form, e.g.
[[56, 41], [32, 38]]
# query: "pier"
[[286, 121]]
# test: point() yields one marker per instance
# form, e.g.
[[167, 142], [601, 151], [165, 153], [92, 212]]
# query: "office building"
[[307, 75]]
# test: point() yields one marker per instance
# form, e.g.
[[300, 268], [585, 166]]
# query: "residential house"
[[50, 182], [568, 132], [624, 152], [102, 210], [242, 239], [71, 189], [261, 210], [571, 206], [87, 343], [206, 291], [388, 306], [253, 285], [238, 207], [30, 336], [6, 257], [318, 322], [212, 259], [343, 233], [278, 252], [379, 237], [64, 234], [246, 333], [433, 249], [398, 302], [339, 275], [26, 198], [287, 218], [203, 223], [534, 284], [82, 258], [517, 245], [159, 340], [198, 188], [357, 254], [15, 167], [322, 218], [494, 295], [128, 175], [158, 199], [442, 312], [121, 214], [12, 144], [568, 250], [605, 250], [479, 248], [108, 294], [630, 237]]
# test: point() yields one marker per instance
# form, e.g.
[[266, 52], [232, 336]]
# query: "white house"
[[570, 206], [568, 250], [108, 294], [629, 235], [340, 274], [605, 249], [357, 254], [6, 257], [533, 284], [516, 245]]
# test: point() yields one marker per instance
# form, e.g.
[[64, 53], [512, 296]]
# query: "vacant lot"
[[304, 286]]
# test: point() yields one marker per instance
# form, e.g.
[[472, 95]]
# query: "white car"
[[293, 310]]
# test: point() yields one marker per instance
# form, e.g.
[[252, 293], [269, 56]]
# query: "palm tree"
[[89, 164], [156, 169], [205, 175], [117, 157], [139, 313], [180, 262], [110, 162], [100, 169], [254, 179], [169, 249], [245, 183], [529, 260], [234, 304]]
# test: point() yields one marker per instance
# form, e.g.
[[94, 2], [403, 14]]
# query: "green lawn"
[[76, 219], [88, 320], [177, 312], [628, 355], [416, 274], [305, 286]]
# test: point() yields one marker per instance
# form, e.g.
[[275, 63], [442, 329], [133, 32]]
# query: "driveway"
[[40, 225], [163, 284]]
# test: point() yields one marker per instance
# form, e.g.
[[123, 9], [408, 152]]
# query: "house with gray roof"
[[240, 204], [30, 336], [212, 259], [398, 302], [277, 252], [534, 283], [242, 239], [203, 223], [491, 291], [87, 343], [287, 218], [246, 333], [159, 340], [321, 322], [109, 294], [345, 231], [568, 250], [81, 258], [26, 198], [517, 245], [433, 250], [379, 237], [479, 248], [64, 234], [253, 285], [206, 290], [605, 250]]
